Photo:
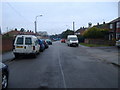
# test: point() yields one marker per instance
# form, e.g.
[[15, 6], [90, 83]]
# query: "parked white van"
[[26, 44], [72, 40]]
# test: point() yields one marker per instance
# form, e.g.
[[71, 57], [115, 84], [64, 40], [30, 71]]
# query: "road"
[[61, 66]]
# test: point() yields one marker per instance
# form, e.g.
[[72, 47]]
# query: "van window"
[[19, 40], [28, 41]]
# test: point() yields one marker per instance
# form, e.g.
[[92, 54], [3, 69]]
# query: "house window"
[[118, 25], [118, 36], [111, 26]]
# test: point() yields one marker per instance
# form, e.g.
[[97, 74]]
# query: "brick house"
[[13, 33], [80, 31], [102, 26], [114, 27]]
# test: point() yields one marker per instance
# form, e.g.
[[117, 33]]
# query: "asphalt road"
[[61, 66]]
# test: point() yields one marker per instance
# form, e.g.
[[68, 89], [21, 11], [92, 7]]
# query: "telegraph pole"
[[74, 27], [0, 31], [35, 27]]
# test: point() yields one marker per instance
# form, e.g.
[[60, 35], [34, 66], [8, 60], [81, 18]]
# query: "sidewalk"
[[7, 56], [110, 56]]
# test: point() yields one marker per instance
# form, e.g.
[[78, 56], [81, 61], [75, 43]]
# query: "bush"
[[66, 33], [80, 38], [94, 33]]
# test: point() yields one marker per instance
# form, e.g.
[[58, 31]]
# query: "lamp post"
[[74, 27], [36, 22]]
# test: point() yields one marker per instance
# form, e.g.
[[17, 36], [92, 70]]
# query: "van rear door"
[[19, 44], [28, 44]]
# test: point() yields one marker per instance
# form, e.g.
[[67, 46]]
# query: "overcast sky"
[[57, 16]]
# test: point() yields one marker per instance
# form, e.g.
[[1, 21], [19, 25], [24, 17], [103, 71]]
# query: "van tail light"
[[33, 47]]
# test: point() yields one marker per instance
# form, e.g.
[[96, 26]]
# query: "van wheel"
[[77, 45], [16, 55]]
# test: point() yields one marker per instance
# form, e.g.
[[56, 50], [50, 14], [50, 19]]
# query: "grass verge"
[[93, 45]]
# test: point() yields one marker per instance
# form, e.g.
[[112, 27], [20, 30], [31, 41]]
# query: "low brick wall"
[[7, 44], [99, 42]]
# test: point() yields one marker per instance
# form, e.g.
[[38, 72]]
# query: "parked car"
[[5, 75], [62, 40], [42, 46], [26, 44], [45, 43], [49, 41], [72, 40], [118, 43]]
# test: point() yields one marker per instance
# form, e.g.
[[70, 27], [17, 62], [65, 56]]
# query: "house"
[[13, 33], [102, 26], [114, 27], [80, 31]]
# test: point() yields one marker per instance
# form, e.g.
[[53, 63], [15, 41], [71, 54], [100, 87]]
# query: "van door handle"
[[25, 47]]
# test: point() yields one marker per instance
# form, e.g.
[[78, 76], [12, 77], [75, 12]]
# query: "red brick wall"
[[7, 44], [99, 42], [118, 30]]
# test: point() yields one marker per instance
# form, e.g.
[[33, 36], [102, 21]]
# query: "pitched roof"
[[106, 25], [115, 20], [13, 32], [81, 30]]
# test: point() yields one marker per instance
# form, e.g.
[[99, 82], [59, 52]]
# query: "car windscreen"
[[19, 40], [28, 41]]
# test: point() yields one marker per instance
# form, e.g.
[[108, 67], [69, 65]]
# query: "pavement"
[[8, 56], [107, 54]]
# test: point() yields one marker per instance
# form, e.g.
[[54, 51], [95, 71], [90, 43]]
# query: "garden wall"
[[7, 44], [99, 42]]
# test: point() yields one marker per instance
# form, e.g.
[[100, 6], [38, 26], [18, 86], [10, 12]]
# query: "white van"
[[72, 40], [26, 44]]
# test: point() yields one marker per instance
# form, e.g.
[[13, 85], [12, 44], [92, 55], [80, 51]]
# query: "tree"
[[66, 33], [95, 33]]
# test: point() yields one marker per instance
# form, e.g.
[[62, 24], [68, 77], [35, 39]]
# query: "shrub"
[[95, 33]]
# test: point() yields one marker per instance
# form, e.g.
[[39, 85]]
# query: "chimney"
[[98, 24], [89, 24], [103, 22]]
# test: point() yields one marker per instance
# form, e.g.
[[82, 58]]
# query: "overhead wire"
[[17, 12]]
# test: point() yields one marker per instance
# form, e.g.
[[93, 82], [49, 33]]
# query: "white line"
[[61, 70]]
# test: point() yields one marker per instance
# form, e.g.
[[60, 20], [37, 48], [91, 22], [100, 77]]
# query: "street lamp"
[[36, 22]]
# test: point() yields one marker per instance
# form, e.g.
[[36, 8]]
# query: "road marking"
[[59, 59]]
